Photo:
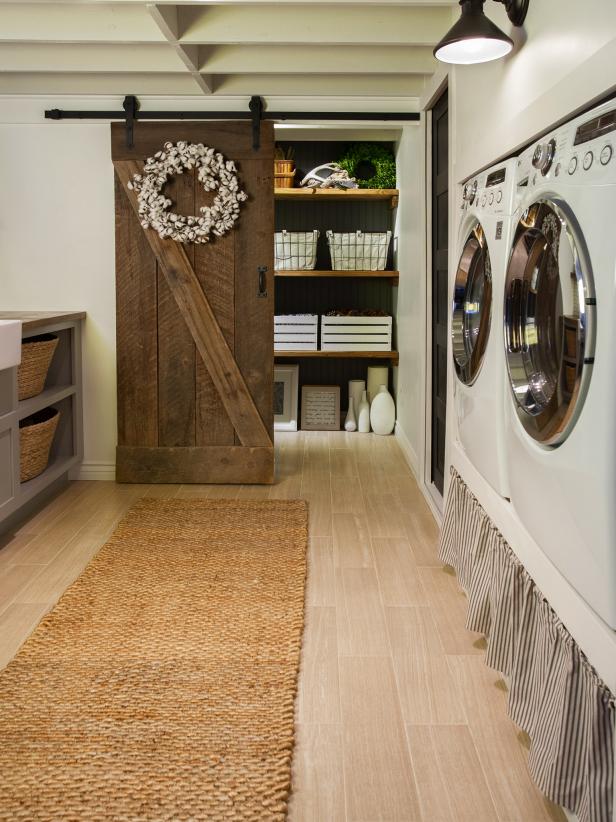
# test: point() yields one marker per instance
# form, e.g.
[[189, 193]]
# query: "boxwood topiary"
[[373, 165]]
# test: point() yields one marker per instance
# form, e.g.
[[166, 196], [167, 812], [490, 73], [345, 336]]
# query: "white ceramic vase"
[[383, 412], [350, 423], [377, 375], [356, 389], [363, 415]]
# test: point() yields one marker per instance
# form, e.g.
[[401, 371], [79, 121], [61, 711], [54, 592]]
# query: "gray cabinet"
[[63, 392]]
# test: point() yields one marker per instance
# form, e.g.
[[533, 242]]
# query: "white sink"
[[10, 343]]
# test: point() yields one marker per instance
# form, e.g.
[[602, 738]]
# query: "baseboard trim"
[[103, 471], [408, 451], [413, 462]]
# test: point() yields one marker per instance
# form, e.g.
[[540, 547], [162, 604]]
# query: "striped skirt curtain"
[[554, 693]]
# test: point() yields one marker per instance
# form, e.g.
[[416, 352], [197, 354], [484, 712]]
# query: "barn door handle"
[[262, 292]]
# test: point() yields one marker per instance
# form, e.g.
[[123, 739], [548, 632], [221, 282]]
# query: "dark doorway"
[[440, 295]]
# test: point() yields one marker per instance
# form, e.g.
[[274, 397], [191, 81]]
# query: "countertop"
[[32, 320]]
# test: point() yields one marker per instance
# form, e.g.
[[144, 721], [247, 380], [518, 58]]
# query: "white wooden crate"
[[355, 333], [296, 332]]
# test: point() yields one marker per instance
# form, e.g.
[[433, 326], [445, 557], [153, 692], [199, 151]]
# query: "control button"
[[483, 200], [607, 153], [490, 199], [499, 196], [573, 165], [557, 170], [534, 179], [544, 155], [588, 160]]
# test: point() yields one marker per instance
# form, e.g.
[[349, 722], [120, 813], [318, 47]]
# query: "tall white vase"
[[363, 415], [383, 412], [350, 423], [377, 375], [356, 389]]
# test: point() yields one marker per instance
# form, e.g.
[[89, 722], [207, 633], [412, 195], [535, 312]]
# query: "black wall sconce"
[[475, 38]]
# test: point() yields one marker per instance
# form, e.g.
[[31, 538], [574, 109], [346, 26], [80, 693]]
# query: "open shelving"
[[322, 289], [340, 355], [338, 194]]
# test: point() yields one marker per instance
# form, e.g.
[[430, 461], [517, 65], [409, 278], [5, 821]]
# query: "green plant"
[[372, 164]]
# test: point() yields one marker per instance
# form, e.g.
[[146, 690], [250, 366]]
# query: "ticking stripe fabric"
[[554, 693]]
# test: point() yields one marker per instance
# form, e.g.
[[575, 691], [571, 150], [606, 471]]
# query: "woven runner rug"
[[162, 685]]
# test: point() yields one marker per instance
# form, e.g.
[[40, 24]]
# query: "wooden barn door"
[[194, 330]]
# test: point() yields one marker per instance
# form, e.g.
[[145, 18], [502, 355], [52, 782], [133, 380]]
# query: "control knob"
[[544, 156]]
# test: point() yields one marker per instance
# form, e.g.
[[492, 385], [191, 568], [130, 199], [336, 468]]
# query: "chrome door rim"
[[475, 253], [550, 421]]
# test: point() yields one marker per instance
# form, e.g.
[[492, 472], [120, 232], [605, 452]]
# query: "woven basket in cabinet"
[[36, 434], [36, 356]]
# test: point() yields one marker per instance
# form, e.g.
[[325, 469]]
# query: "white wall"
[[563, 60], [411, 298], [57, 252]]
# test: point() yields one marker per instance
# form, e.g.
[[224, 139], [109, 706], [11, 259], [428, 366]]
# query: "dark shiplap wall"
[[298, 295]]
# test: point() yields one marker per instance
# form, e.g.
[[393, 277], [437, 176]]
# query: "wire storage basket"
[[359, 250], [295, 250]]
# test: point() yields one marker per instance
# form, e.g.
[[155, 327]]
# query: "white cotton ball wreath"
[[214, 173]]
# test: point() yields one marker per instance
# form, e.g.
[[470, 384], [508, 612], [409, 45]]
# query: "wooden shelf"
[[363, 355], [47, 397], [379, 275], [299, 194]]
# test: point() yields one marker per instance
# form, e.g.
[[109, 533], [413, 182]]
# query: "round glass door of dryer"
[[472, 306], [549, 317]]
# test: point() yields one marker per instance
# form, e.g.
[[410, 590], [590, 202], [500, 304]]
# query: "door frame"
[[440, 84]]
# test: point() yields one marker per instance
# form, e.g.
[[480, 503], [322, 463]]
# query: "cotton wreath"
[[213, 172]]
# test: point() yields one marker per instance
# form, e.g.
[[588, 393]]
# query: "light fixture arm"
[[516, 10]]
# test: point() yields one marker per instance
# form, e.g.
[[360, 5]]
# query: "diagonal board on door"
[[195, 378]]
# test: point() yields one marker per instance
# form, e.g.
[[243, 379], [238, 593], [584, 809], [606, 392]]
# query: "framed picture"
[[321, 407], [286, 390]]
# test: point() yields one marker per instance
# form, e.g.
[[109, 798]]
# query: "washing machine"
[[488, 202], [560, 347]]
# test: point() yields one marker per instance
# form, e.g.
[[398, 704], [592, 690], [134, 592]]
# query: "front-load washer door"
[[549, 321], [472, 306]]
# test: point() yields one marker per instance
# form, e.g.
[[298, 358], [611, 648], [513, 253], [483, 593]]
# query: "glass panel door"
[[549, 321], [472, 306]]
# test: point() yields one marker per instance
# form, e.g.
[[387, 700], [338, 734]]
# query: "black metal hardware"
[[591, 301], [516, 10], [256, 109], [131, 107], [589, 360], [256, 114], [262, 292]]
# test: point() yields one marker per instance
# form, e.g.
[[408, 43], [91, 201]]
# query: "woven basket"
[[36, 354], [36, 434]]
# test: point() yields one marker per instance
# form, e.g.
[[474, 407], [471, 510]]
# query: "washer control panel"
[[580, 152], [491, 191]]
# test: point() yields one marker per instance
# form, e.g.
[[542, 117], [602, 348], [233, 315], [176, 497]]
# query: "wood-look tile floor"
[[398, 718]]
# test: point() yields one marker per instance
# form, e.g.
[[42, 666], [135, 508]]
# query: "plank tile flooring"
[[398, 718]]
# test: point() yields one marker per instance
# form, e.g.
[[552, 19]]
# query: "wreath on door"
[[213, 172]]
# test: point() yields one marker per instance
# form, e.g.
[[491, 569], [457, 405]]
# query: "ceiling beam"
[[331, 26], [88, 58], [98, 83], [316, 85], [166, 18], [60, 23], [231, 59]]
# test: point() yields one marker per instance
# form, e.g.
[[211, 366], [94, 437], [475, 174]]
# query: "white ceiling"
[[230, 47]]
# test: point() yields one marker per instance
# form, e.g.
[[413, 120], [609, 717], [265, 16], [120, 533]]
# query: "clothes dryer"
[[560, 344], [476, 323]]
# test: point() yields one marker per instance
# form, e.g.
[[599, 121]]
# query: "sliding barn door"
[[194, 326]]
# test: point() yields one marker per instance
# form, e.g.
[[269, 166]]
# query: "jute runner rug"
[[162, 685]]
